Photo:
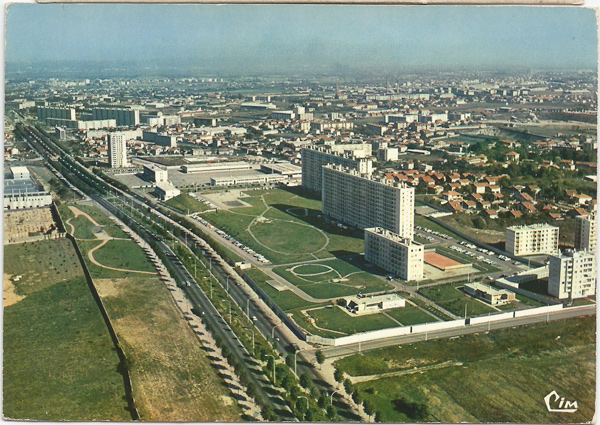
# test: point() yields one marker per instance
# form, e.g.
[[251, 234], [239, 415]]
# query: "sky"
[[231, 37]]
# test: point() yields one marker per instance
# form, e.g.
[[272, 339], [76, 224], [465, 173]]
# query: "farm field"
[[59, 361], [453, 300], [285, 227], [511, 369]]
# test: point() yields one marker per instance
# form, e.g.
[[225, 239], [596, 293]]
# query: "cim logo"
[[563, 406]]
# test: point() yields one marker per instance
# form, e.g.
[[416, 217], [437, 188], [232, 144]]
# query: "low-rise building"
[[155, 174], [488, 294], [165, 191], [373, 304]]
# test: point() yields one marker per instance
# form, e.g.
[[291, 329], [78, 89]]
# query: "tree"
[[356, 397], [289, 360], [309, 416], [268, 413], [369, 409], [338, 375], [323, 401], [378, 416], [320, 357], [331, 413], [348, 386], [305, 381]]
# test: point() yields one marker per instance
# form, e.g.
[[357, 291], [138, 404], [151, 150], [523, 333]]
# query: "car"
[[254, 319]]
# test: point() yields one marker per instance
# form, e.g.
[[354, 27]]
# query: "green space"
[[286, 300], [410, 315], [59, 361], [343, 279], [453, 300], [335, 319], [83, 227], [291, 226], [123, 255], [186, 204], [40, 264], [501, 376]]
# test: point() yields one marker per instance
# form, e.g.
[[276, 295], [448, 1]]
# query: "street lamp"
[[228, 284], [296, 361], [273, 331], [229, 302], [332, 395]]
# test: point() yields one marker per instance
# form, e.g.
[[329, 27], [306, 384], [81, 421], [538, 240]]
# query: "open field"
[[285, 227], [40, 264], [59, 361], [502, 376], [84, 226], [453, 300], [332, 278], [286, 300], [333, 318], [172, 377], [123, 255], [411, 315], [185, 204]]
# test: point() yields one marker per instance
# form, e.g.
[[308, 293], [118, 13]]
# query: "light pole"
[[273, 331], [227, 284], [296, 361], [332, 395], [248, 307], [307, 403], [273, 357]]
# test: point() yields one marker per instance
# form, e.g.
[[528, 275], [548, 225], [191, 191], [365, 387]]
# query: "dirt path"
[[78, 212], [9, 293], [443, 365], [93, 260]]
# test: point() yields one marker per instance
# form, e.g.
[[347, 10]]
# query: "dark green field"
[[502, 376], [335, 319], [453, 300]]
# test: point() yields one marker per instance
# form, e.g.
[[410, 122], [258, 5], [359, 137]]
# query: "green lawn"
[[83, 228], [123, 255], [335, 319], [353, 279], [288, 233], [410, 315], [286, 300], [497, 377], [40, 264], [453, 300], [186, 204]]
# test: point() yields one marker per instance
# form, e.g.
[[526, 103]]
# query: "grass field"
[[286, 300], [172, 378], [59, 361], [335, 319], [123, 255], [453, 300], [186, 204], [291, 228], [411, 315], [40, 264], [324, 286], [502, 376]]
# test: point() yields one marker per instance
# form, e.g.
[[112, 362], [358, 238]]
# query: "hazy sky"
[[292, 35]]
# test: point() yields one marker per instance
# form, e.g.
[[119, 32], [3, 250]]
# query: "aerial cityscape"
[[300, 213]]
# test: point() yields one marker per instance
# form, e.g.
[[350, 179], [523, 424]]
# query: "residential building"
[[155, 174], [400, 256], [364, 202], [161, 139], [532, 239], [572, 275], [45, 112], [117, 150], [123, 116], [351, 156], [585, 232]]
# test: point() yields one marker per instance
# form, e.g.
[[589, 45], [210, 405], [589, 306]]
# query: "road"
[[568, 313]]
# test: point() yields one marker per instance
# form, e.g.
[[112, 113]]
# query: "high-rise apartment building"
[[352, 156], [393, 253], [572, 275], [46, 112], [532, 239], [123, 116], [117, 150], [364, 202], [585, 233]]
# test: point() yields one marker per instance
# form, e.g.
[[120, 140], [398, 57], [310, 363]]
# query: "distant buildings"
[[45, 112], [161, 139], [393, 253], [351, 156], [117, 150], [585, 232], [572, 275], [363, 202], [532, 239], [123, 116]]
